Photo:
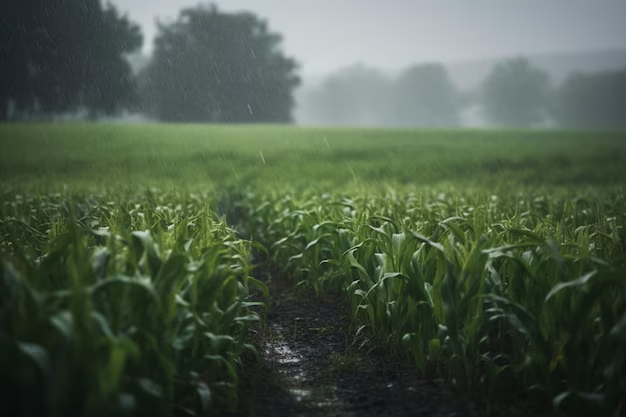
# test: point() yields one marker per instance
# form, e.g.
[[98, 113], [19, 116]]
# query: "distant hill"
[[469, 74]]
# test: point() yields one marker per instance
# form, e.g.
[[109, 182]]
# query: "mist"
[[395, 64], [313, 208], [332, 41]]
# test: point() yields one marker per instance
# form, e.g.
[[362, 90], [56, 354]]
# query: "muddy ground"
[[313, 363]]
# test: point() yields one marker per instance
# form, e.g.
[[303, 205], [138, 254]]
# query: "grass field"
[[128, 257], [197, 158]]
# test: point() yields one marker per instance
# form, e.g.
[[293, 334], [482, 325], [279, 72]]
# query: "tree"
[[425, 96], [516, 94], [595, 101], [210, 66], [355, 96], [64, 55]]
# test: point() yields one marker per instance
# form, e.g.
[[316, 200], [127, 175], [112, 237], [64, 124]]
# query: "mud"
[[315, 363]]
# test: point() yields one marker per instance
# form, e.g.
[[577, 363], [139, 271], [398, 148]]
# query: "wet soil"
[[313, 362]]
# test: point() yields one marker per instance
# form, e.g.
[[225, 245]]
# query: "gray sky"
[[328, 34]]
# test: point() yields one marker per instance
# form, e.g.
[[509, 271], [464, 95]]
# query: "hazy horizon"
[[363, 62], [324, 37]]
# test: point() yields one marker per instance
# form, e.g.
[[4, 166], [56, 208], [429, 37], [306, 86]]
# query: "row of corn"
[[120, 305], [519, 293]]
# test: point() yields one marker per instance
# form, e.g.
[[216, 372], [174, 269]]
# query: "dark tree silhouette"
[[211, 66], [425, 96], [592, 101], [63, 55], [516, 94]]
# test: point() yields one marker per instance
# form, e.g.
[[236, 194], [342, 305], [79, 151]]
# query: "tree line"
[[60, 55], [68, 56], [515, 94]]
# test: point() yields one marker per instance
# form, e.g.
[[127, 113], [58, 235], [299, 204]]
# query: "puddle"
[[312, 371], [298, 366], [299, 394]]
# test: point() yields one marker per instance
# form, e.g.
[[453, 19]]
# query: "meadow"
[[267, 158], [495, 258]]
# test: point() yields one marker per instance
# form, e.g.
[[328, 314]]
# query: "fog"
[[327, 38], [395, 63], [326, 35]]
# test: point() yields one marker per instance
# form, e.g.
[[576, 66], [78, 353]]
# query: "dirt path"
[[313, 365]]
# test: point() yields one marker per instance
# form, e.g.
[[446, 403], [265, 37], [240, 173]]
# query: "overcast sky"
[[328, 34]]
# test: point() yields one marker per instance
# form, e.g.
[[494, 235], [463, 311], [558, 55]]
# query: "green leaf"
[[150, 387], [261, 286], [438, 246], [592, 278], [527, 233], [142, 242], [204, 394], [37, 354], [316, 241], [355, 264]]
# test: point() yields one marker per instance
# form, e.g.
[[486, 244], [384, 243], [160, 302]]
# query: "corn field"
[[114, 308], [509, 293], [128, 283]]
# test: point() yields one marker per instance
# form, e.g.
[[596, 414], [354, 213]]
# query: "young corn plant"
[[98, 319], [521, 293]]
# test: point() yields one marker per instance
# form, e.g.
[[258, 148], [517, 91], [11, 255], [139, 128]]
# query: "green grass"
[[200, 158], [498, 256]]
